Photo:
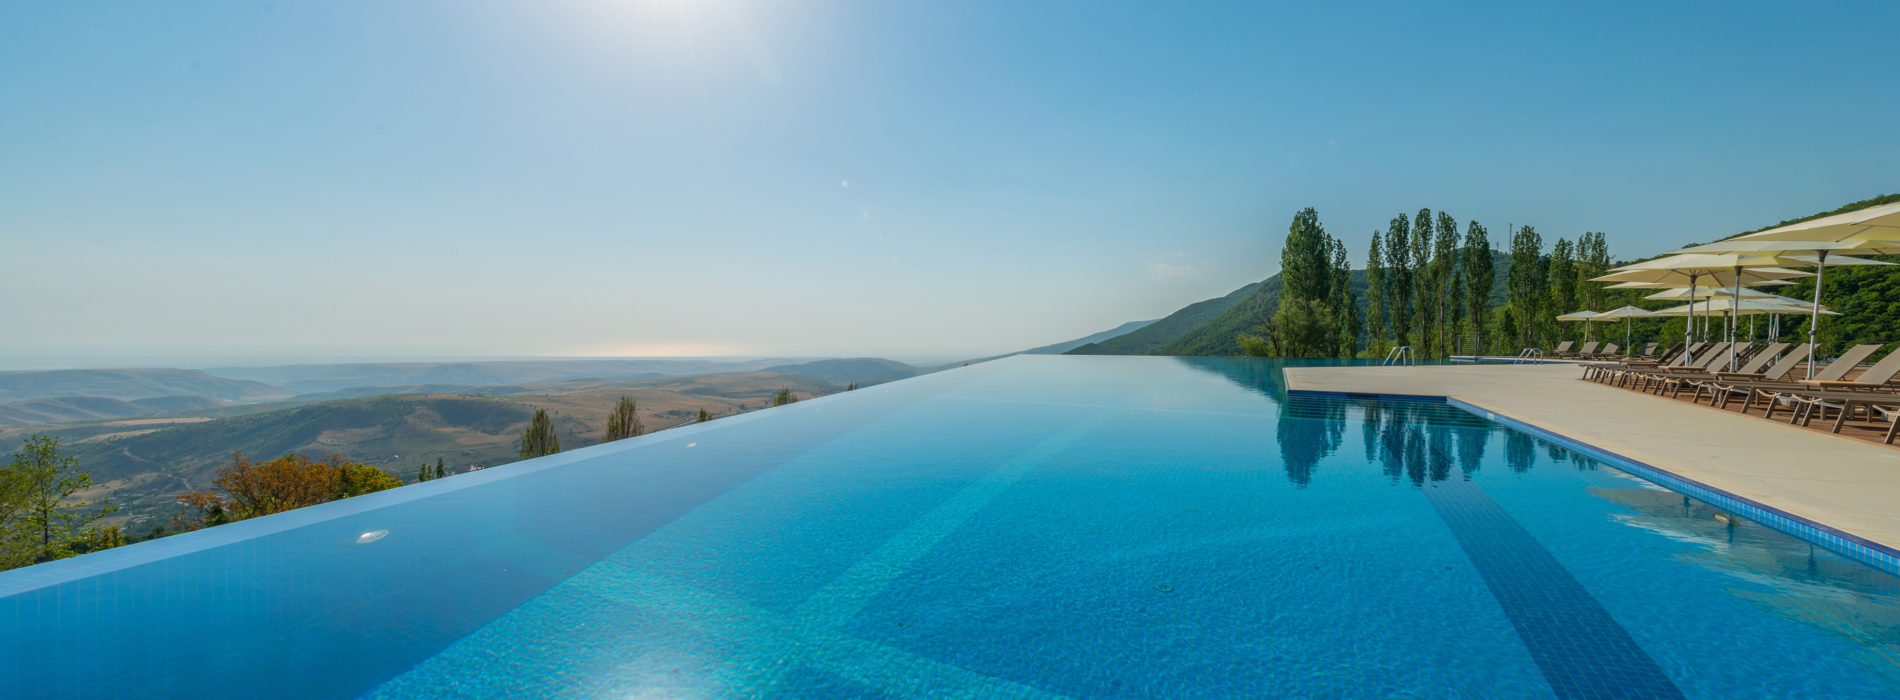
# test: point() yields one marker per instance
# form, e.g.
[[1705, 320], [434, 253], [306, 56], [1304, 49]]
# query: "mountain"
[[1151, 337], [131, 384], [1065, 346], [73, 409], [320, 378], [860, 370]]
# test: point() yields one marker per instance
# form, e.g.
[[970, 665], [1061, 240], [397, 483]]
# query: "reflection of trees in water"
[[1261, 376], [1309, 430], [1372, 420], [1520, 451], [1471, 444], [1439, 456]]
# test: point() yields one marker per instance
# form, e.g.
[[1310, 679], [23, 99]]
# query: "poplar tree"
[[1444, 255], [1562, 274], [1343, 304], [623, 422], [1478, 277], [1375, 299], [703, 416], [1525, 282], [1422, 282], [1593, 260], [440, 470], [1398, 277], [539, 440]]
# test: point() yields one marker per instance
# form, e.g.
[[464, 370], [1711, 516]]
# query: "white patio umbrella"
[[1715, 269], [1624, 314], [1746, 307], [1861, 232], [1584, 316]]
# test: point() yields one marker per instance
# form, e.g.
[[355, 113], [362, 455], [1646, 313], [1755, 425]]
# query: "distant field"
[[142, 463]]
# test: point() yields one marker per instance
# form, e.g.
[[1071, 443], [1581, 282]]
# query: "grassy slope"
[[1153, 336]]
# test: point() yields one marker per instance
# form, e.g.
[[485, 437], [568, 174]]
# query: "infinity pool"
[[1030, 527]]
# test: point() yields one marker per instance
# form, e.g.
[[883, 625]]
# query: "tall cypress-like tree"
[[1422, 282], [1525, 282], [539, 440], [1561, 272], [1593, 260], [1454, 307], [1444, 257], [703, 416], [624, 421], [1375, 299], [1398, 278], [1343, 304], [1478, 279]]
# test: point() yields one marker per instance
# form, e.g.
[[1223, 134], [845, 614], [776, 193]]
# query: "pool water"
[[1030, 527]]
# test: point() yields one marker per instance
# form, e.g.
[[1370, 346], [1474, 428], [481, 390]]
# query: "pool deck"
[[1842, 483]]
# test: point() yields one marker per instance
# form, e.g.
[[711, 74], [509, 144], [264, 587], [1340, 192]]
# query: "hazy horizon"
[[439, 179]]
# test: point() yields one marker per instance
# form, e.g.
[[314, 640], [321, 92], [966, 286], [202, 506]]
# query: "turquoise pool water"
[[1031, 527]]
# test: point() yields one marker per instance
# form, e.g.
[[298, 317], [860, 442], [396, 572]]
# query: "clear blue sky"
[[907, 179]]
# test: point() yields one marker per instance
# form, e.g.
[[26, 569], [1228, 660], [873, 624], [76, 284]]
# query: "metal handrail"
[[1401, 355], [1529, 354]]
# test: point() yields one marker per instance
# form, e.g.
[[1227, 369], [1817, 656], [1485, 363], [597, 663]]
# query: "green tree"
[[1478, 279], [1526, 283], [440, 469], [1306, 260], [423, 473], [355, 479], [46, 519], [703, 416], [1422, 282], [1593, 260], [1398, 277], [1375, 299], [1561, 272], [539, 440], [784, 396], [1299, 328], [1344, 306], [1444, 257], [624, 421]]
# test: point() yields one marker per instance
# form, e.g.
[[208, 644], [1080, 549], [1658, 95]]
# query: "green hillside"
[[1153, 336]]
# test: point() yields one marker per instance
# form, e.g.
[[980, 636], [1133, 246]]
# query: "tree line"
[[1427, 285]]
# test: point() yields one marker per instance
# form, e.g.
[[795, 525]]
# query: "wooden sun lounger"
[[1775, 391], [1727, 384]]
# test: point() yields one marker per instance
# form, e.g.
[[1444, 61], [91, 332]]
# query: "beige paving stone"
[[1846, 484]]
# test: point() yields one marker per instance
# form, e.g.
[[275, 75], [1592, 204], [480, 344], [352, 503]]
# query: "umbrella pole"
[[1689, 334], [1814, 314], [1733, 319]]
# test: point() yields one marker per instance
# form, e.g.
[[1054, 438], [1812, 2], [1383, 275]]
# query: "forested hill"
[[1209, 327], [1153, 336]]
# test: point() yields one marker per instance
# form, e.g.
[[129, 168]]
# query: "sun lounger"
[[1727, 385], [1756, 361], [1562, 349], [1777, 392]]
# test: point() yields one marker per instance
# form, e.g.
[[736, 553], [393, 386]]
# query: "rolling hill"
[[1151, 337], [336, 377], [861, 370], [128, 384], [142, 463], [72, 409]]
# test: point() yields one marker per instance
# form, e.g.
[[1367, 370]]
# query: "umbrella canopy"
[[1881, 223], [1760, 246], [1578, 316], [1745, 307], [1624, 314], [1725, 269], [1750, 276], [1873, 230], [1716, 292]]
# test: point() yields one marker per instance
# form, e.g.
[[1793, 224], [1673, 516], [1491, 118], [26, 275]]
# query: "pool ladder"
[[1401, 355], [1529, 355]]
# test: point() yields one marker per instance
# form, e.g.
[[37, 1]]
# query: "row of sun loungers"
[[1767, 373]]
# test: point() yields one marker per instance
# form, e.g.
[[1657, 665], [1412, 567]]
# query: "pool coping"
[[1852, 546]]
